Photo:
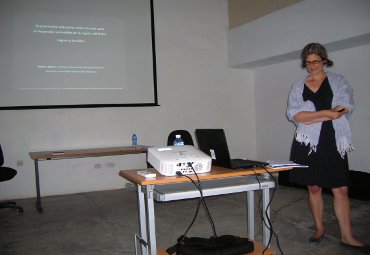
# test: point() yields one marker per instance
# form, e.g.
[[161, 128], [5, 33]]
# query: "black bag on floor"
[[222, 245], [359, 188]]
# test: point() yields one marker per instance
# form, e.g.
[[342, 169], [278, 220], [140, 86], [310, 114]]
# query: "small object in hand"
[[341, 110]]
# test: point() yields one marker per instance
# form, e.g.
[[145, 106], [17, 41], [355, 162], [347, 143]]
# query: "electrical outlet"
[[110, 165], [130, 186], [97, 166]]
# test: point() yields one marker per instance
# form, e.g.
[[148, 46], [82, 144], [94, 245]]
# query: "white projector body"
[[168, 160]]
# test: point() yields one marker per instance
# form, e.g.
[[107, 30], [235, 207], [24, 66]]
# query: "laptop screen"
[[213, 142]]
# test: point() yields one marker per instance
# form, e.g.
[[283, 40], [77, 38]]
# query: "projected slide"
[[73, 56], [81, 52], [67, 35]]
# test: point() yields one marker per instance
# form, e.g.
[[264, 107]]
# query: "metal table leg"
[[142, 220], [38, 201], [250, 214], [150, 219], [146, 220], [266, 232]]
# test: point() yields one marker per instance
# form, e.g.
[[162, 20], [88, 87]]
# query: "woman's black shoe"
[[316, 240], [364, 248]]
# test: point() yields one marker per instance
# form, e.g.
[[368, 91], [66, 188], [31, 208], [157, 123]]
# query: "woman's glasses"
[[315, 62]]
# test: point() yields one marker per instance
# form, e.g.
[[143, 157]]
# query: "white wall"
[[272, 82], [196, 90]]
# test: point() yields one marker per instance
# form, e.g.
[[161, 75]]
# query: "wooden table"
[[78, 153], [217, 182]]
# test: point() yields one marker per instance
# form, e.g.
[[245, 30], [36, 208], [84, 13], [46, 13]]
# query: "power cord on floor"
[[277, 211]]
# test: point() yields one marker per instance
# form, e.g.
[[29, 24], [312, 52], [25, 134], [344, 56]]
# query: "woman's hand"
[[308, 118], [340, 108], [337, 112]]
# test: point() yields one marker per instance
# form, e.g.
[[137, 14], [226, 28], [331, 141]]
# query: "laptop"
[[213, 142]]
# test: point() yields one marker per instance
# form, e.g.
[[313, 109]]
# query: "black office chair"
[[185, 136], [7, 173]]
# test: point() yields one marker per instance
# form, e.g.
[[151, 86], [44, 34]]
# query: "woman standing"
[[320, 105]]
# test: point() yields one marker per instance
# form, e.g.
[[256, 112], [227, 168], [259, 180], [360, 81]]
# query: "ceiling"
[[243, 11]]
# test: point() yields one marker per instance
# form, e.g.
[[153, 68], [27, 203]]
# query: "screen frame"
[[155, 93]]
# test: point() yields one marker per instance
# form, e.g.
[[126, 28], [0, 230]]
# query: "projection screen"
[[77, 53]]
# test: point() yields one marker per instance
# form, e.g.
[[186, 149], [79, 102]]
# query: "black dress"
[[327, 168]]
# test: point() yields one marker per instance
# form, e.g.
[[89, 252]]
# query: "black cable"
[[259, 202], [201, 200], [277, 211], [268, 224], [195, 215], [204, 202], [262, 212], [267, 216]]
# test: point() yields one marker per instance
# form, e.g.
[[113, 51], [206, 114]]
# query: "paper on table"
[[283, 163], [147, 173]]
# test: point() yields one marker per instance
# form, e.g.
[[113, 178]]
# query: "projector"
[[168, 160]]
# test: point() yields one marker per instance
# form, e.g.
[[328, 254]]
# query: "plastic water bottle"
[[178, 141], [134, 140]]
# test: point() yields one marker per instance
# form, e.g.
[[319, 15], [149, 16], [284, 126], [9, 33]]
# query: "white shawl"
[[309, 134]]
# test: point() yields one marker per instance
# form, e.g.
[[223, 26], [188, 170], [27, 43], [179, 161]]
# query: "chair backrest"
[[185, 136], [1, 157], [6, 173]]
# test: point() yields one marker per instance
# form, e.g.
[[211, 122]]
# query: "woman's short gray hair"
[[318, 49]]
